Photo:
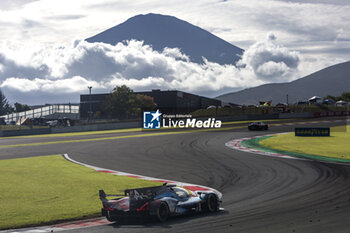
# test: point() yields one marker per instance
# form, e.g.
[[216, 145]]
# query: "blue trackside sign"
[[312, 132]]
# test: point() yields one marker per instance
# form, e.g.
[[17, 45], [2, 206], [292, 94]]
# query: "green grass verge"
[[48, 189], [336, 146]]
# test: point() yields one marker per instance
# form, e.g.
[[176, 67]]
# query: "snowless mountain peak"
[[161, 31]]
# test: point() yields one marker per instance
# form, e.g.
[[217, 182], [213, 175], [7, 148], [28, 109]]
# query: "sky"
[[44, 58]]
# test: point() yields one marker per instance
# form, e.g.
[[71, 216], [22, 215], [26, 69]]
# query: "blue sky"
[[39, 44]]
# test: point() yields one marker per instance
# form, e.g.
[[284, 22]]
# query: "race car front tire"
[[211, 203]]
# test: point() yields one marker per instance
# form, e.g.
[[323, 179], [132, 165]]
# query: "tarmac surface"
[[260, 194]]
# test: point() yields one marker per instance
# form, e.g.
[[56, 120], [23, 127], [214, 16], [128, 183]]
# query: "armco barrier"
[[244, 117], [97, 127], [263, 116], [266, 116], [10, 133], [296, 115], [330, 114], [81, 128]]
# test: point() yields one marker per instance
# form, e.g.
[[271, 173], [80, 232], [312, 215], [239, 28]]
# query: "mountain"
[[162, 31], [332, 80]]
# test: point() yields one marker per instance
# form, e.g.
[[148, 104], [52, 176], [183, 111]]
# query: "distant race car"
[[258, 126], [159, 201]]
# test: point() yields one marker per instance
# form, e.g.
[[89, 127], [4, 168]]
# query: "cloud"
[[270, 61], [13, 4], [68, 70], [335, 2], [61, 86], [37, 75], [65, 17], [310, 26]]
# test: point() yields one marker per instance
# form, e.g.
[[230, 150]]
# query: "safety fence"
[[43, 112]]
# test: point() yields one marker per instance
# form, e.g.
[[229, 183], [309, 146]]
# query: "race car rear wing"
[[103, 195]]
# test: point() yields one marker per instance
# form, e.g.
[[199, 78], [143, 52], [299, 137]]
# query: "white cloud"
[[270, 61], [20, 84], [70, 69], [60, 73], [14, 4], [175, 53], [75, 84]]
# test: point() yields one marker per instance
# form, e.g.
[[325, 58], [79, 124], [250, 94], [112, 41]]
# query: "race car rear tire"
[[163, 212], [211, 204], [109, 217]]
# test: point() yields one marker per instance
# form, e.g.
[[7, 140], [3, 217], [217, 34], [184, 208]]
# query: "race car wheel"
[[266, 127], [211, 203], [163, 212], [109, 217]]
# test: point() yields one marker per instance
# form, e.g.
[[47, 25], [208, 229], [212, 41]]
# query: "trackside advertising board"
[[312, 132]]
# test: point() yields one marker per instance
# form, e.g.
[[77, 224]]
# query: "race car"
[[258, 126], [158, 201]]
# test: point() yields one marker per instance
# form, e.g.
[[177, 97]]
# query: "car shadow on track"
[[151, 222]]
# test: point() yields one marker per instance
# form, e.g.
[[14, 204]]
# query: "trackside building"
[[171, 102]]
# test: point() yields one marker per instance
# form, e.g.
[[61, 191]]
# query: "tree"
[[124, 103], [21, 107], [121, 103], [5, 108], [145, 103], [330, 97], [345, 96]]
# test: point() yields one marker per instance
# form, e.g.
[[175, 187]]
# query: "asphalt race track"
[[260, 194]]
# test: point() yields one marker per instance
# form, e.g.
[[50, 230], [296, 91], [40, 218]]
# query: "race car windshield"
[[180, 193]]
